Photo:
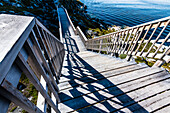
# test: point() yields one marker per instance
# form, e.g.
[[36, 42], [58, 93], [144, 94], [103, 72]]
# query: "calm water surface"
[[128, 12]]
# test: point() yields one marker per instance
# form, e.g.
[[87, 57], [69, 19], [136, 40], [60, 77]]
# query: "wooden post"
[[100, 46]]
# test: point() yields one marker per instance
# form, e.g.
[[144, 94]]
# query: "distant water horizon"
[[128, 12]]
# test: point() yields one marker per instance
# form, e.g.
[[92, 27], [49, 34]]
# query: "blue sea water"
[[128, 12]]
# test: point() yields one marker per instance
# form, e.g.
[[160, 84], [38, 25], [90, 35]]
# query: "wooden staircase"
[[93, 82], [69, 78], [97, 83]]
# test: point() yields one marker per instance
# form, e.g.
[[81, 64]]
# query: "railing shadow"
[[83, 98]]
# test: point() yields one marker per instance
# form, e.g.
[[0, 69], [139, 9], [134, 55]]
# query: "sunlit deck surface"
[[92, 82]]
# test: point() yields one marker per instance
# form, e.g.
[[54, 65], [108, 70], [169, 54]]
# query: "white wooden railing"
[[27, 47], [145, 40]]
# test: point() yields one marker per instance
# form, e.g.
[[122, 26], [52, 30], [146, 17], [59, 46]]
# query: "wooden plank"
[[164, 109], [79, 103], [10, 57], [79, 72], [10, 92], [55, 102], [151, 104], [99, 59], [11, 29], [41, 102], [68, 86], [96, 77], [4, 104], [28, 72], [142, 93], [83, 72], [84, 53], [13, 77]]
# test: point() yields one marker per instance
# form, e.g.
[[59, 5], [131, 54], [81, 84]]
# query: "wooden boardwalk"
[[92, 82]]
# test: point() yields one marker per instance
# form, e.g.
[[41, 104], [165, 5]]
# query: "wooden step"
[[89, 99], [130, 101], [151, 104], [163, 109], [72, 73], [98, 76], [74, 90]]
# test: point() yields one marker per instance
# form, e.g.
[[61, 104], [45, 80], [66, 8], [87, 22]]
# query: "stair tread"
[[92, 98], [92, 82], [98, 76]]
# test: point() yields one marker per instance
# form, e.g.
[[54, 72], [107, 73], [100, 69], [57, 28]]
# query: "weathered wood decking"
[[97, 83], [93, 82]]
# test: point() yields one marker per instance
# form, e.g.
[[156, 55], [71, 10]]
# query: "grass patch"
[[123, 56], [12, 110]]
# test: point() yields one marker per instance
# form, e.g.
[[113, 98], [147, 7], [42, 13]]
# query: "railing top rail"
[[134, 27], [14, 30], [44, 28], [60, 29], [11, 29]]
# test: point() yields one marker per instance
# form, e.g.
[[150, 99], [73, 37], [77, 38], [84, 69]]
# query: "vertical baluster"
[[161, 45], [110, 43], [124, 42], [157, 38], [30, 74], [160, 62], [52, 50], [119, 42], [100, 45], [128, 40], [131, 44], [113, 42], [137, 39], [143, 39], [46, 53], [107, 44], [150, 38], [119, 51], [43, 59]]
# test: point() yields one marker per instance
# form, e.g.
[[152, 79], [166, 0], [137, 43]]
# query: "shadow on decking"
[[70, 44], [79, 102]]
